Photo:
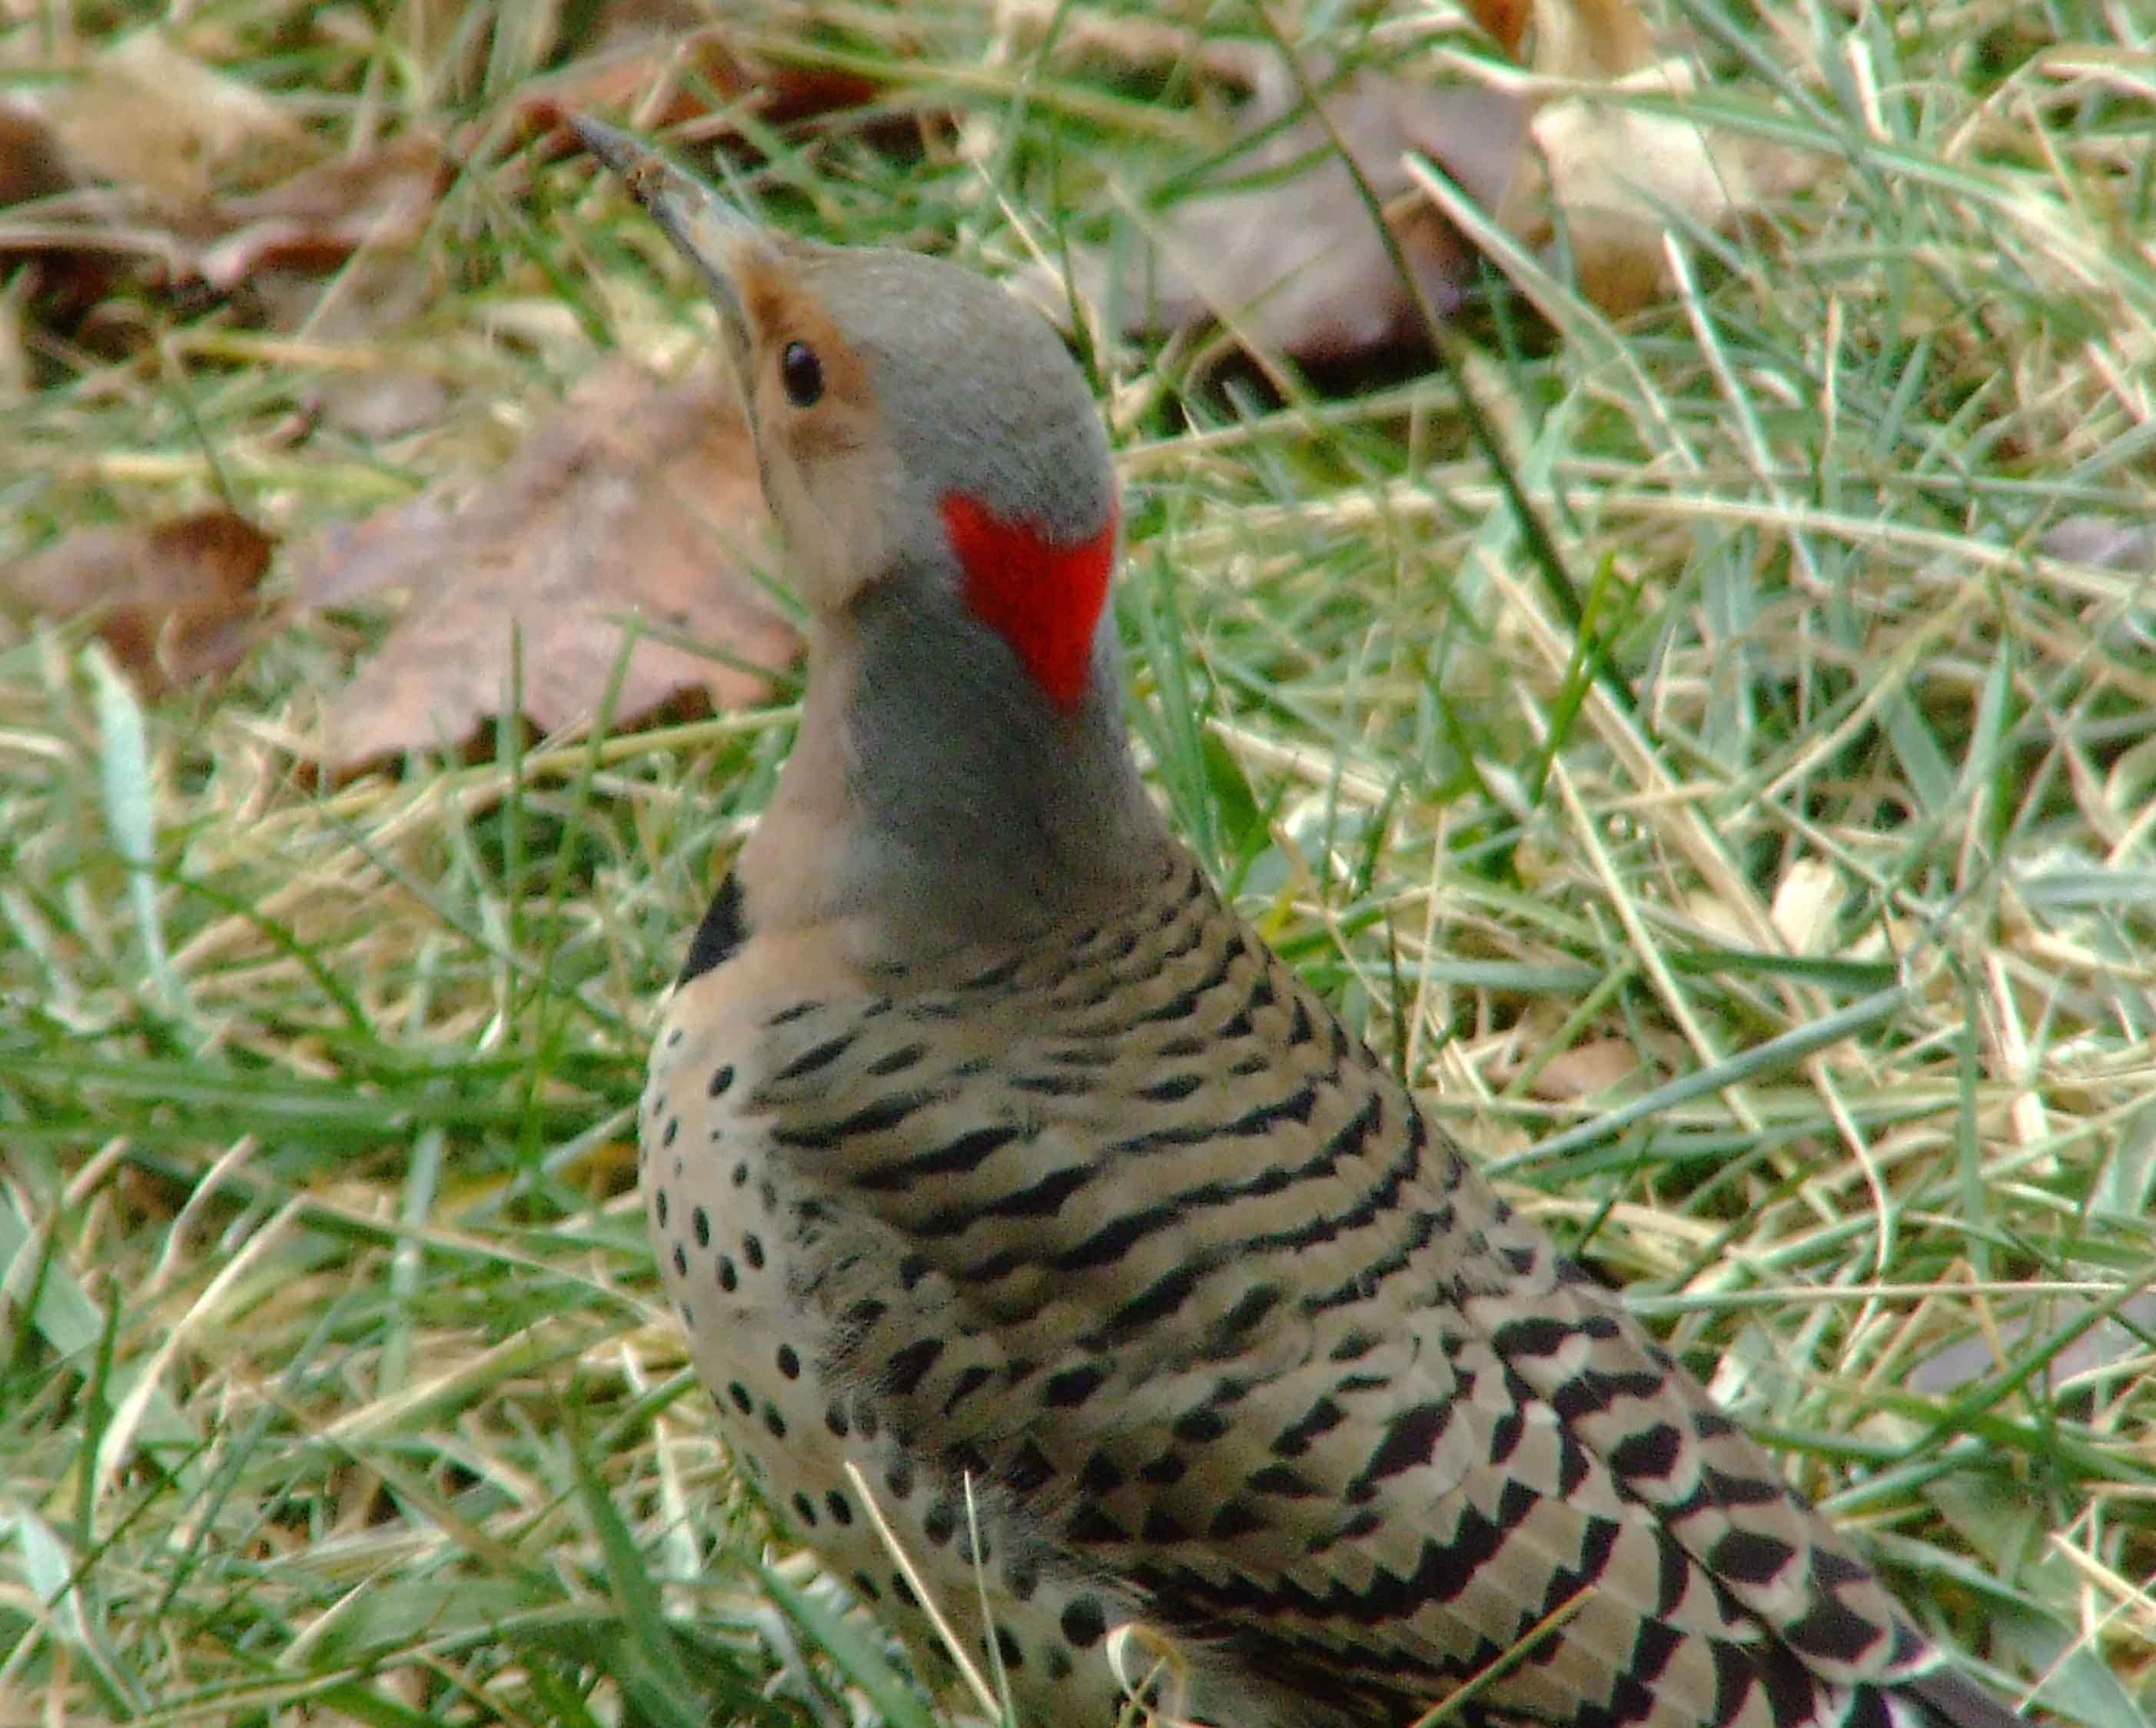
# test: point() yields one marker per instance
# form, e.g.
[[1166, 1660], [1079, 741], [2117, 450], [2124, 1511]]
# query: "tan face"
[[829, 473]]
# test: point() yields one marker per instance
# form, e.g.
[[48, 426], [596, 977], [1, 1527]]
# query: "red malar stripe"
[[1041, 598]]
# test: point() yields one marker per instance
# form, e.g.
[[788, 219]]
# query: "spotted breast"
[[1282, 1381]]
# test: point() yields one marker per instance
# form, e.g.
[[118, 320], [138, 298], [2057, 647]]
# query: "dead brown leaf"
[[176, 603], [1505, 20], [637, 500], [367, 213], [31, 165], [147, 116], [1291, 261], [201, 176], [61, 281], [673, 78], [1131, 39], [1586, 1069], [2104, 542], [1808, 901], [381, 200], [1612, 180], [392, 383], [1591, 38], [2106, 1341], [657, 82]]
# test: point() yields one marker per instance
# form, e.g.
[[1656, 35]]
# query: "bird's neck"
[[936, 797]]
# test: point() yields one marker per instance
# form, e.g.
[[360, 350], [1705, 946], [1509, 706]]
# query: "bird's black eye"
[[801, 374]]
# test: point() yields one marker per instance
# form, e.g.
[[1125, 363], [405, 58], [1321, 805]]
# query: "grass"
[[334, 1383]]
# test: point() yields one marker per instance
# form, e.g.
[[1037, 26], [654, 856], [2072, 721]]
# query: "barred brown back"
[[1124, 1230]]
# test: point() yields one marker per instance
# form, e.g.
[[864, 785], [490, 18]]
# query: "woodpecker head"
[[941, 477], [914, 423]]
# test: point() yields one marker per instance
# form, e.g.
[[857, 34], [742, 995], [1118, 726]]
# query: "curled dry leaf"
[[30, 168], [638, 501], [1590, 39], [1290, 260], [203, 176], [31, 164], [60, 281], [1520, 1057], [148, 117], [177, 602], [1612, 180], [1808, 900]]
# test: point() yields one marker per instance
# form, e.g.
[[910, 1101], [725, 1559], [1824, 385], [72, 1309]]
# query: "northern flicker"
[[986, 1151]]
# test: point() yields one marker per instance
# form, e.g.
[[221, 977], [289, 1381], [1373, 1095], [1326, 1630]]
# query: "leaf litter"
[[636, 506], [178, 603], [634, 509], [1278, 246]]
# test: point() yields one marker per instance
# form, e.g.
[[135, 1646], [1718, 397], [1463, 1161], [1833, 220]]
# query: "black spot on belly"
[[1084, 1624]]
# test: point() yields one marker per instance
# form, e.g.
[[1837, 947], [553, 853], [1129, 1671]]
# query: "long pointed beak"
[[705, 228]]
